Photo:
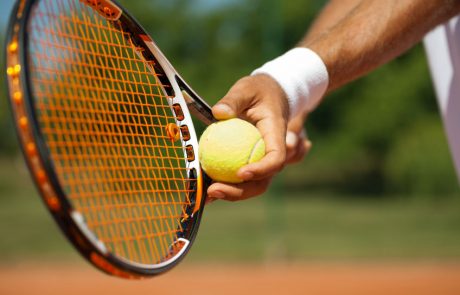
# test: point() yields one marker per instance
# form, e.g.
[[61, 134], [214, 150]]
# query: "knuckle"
[[243, 84], [230, 98]]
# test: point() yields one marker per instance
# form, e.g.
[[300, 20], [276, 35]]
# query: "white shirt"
[[443, 50]]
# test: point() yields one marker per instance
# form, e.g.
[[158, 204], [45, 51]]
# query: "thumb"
[[237, 100]]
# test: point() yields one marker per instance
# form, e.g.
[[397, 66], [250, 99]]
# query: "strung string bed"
[[102, 113]]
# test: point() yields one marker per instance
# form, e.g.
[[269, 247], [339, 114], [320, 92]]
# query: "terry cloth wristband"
[[302, 75]]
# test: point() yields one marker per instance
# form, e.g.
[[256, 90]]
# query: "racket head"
[[106, 132]]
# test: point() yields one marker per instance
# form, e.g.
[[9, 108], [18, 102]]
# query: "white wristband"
[[302, 75]]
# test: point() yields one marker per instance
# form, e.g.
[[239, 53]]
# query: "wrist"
[[302, 75]]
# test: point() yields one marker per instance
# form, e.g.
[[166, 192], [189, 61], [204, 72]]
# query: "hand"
[[260, 100]]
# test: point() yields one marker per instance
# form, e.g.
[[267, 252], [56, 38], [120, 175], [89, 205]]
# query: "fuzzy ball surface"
[[228, 145]]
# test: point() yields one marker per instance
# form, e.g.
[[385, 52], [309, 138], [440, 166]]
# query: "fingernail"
[[223, 109], [291, 139], [217, 195]]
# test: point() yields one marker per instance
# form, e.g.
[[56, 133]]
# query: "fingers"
[[291, 141], [297, 144], [298, 153], [246, 190], [261, 101], [273, 132], [292, 144], [235, 102], [296, 124], [237, 192]]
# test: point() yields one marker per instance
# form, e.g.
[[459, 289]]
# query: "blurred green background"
[[378, 184]]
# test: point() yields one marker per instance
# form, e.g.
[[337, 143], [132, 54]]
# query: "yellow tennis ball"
[[228, 145]]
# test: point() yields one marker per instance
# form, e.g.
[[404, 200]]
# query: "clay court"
[[319, 279]]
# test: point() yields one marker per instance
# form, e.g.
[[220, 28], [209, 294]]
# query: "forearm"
[[374, 32], [332, 13]]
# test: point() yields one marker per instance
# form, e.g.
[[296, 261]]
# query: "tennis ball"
[[228, 145]]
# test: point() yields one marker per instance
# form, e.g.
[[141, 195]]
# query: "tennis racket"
[[105, 125]]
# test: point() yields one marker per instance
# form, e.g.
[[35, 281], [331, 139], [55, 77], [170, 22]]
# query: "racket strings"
[[103, 113]]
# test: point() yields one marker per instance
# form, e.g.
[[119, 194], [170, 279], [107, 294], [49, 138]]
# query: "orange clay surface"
[[315, 278]]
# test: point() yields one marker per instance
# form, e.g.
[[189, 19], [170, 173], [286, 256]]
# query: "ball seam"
[[254, 148]]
